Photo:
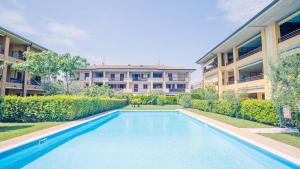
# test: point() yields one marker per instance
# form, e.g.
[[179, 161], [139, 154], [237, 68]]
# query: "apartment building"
[[241, 62], [138, 79], [13, 82]]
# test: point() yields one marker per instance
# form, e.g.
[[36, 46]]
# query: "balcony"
[[251, 52], [17, 55], [211, 67], [139, 79], [12, 80], [116, 79], [178, 90], [289, 36], [176, 78], [252, 78]]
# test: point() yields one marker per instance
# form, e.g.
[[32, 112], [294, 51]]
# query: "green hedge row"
[[263, 111], [55, 108], [153, 99], [259, 110]]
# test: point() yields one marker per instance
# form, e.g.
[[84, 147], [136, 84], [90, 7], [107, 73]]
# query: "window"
[[157, 85], [98, 74], [157, 74], [145, 86], [86, 75], [112, 76], [181, 86]]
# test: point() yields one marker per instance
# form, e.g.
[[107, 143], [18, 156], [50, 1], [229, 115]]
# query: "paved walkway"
[[271, 130]]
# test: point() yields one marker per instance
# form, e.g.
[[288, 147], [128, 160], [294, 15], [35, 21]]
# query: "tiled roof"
[[129, 66]]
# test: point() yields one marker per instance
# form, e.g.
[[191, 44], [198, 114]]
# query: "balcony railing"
[[176, 78], [17, 55], [210, 68], [140, 90], [252, 78], [256, 50], [139, 79], [116, 79], [11, 80], [289, 35], [230, 82], [178, 90]]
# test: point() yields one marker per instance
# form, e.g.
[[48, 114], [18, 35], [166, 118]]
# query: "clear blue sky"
[[172, 32]]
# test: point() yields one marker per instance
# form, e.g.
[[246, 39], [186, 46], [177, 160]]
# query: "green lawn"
[[11, 130], [231, 120], [152, 107], [292, 139]]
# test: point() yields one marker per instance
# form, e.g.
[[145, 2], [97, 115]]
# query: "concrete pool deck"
[[283, 150]]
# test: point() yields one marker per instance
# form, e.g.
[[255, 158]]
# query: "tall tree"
[[69, 65], [45, 64], [285, 79]]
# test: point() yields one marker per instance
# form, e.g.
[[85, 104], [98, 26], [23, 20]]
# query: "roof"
[[275, 11], [129, 66], [21, 38]]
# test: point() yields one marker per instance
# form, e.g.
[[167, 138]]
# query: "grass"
[[152, 107], [11, 130], [292, 139], [240, 123]]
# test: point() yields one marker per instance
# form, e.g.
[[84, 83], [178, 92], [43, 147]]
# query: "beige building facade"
[[242, 62], [138, 79], [13, 82]]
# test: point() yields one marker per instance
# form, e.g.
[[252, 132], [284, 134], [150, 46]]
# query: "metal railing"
[[11, 80], [252, 78], [178, 90], [17, 55], [289, 35], [116, 79], [230, 82], [176, 78], [210, 68], [256, 50], [139, 79]]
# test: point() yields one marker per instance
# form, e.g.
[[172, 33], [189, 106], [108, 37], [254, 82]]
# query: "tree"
[[45, 64], [69, 65], [95, 90], [235, 100], [285, 79]]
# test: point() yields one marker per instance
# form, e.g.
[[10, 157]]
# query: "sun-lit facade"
[[241, 63]]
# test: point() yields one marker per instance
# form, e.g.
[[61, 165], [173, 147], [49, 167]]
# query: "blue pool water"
[[142, 140]]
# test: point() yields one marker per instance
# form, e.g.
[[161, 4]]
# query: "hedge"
[[200, 104], [55, 108], [256, 110], [223, 107], [263, 111], [154, 99]]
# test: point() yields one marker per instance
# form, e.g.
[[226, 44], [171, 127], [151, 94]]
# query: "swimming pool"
[[142, 140]]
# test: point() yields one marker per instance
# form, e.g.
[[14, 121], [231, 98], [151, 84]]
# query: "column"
[[25, 80], [128, 82], [164, 81], [220, 85], [151, 81], [265, 65], [236, 69], [225, 72], [4, 72], [91, 78]]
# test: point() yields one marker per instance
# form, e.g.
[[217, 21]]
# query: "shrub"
[[223, 107], [259, 110], [161, 100], [136, 101], [55, 108], [172, 100], [95, 90], [185, 100], [200, 105]]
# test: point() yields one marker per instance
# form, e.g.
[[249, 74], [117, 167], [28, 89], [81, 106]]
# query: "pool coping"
[[280, 149], [40, 134]]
